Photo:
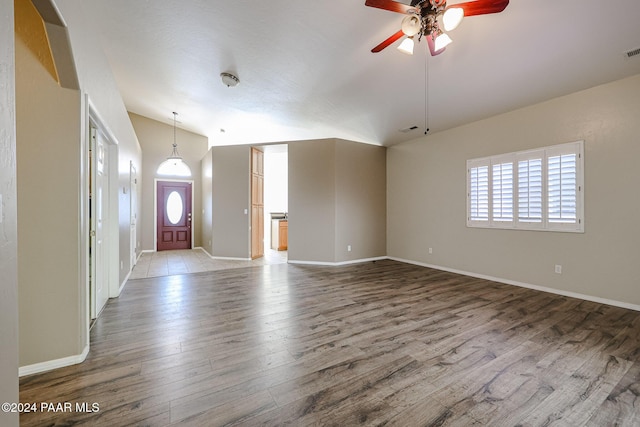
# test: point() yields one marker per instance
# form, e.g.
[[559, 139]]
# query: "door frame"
[[257, 203], [92, 119], [155, 209], [133, 213]]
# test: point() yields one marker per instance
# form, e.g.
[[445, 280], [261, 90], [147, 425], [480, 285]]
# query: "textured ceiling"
[[306, 70]]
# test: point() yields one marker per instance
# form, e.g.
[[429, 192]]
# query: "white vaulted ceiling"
[[306, 69]]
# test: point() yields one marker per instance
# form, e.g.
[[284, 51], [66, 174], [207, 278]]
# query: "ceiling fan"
[[425, 17]]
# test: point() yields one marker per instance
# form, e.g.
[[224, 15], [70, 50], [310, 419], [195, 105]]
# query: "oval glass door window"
[[175, 207]]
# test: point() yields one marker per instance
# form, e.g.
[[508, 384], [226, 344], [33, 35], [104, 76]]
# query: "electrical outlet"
[[430, 251], [558, 269], [121, 265], [348, 248]]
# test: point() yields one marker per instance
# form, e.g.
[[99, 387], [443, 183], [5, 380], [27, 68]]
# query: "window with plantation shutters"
[[531, 190]]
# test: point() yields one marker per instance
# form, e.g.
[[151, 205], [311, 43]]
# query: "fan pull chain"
[[426, 93]]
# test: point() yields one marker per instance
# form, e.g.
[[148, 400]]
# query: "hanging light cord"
[[175, 146], [426, 90], [175, 153]]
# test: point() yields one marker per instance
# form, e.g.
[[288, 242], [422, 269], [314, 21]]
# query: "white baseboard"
[[591, 298], [354, 261], [223, 257], [49, 365], [124, 282], [205, 251]]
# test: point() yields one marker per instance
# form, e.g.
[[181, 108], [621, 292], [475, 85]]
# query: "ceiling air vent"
[[409, 129], [633, 52]]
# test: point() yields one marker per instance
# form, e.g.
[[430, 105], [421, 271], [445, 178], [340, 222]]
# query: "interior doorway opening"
[[276, 200]]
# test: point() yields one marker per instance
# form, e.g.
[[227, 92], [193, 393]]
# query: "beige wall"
[[98, 83], [336, 198], [52, 183], [156, 139], [427, 196], [48, 163], [231, 184], [361, 201], [8, 220], [312, 201], [206, 175]]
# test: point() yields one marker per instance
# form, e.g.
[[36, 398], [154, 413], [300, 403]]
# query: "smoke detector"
[[229, 79]]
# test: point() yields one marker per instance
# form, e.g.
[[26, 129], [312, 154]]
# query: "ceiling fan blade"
[[391, 5], [481, 7], [388, 41]]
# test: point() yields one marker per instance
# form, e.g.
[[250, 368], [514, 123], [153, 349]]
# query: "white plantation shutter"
[[502, 192], [562, 188], [478, 191], [532, 190]]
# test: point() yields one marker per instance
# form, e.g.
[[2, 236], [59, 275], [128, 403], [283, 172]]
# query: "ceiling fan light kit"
[[442, 41], [452, 18], [411, 25], [426, 17], [407, 46]]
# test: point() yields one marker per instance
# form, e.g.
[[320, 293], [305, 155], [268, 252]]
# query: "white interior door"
[[100, 208]]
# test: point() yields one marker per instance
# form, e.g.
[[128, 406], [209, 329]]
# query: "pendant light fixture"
[[174, 165]]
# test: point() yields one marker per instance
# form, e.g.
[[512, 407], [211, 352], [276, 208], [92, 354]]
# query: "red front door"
[[174, 215]]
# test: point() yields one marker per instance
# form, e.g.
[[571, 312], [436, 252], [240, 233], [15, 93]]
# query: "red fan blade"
[[388, 41], [391, 5], [481, 7]]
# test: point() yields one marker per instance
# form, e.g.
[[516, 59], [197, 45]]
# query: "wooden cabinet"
[[283, 235], [279, 234]]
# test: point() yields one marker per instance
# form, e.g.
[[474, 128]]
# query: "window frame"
[[516, 158]]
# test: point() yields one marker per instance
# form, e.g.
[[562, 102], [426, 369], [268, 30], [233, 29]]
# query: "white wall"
[[8, 219], [427, 196]]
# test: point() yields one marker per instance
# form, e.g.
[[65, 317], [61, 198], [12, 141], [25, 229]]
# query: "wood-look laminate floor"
[[381, 343]]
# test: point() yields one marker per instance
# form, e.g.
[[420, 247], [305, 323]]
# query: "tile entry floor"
[[168, 263]]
